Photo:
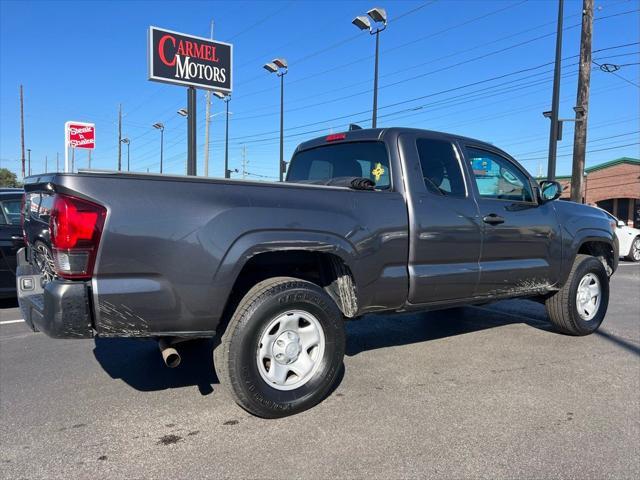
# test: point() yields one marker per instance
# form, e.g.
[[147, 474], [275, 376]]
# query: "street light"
[[379, 17], [127, 142], [226, 99], [280, 68], [160, 126], [184, 112]]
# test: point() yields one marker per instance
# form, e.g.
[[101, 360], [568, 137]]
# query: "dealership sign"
[[187, 60], [80, 135]]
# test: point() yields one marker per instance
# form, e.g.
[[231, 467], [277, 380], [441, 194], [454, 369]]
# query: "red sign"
[[81, 135]]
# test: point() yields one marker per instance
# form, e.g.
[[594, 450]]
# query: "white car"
[[628, 240]]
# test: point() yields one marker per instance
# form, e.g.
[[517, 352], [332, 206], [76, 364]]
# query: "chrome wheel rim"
[[44, 262], [635, 249], [588, 296], [290, 350]]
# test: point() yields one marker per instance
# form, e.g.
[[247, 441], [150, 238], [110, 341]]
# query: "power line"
[[421, 97]]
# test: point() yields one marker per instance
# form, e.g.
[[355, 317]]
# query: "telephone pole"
[[57, 162], [46, 166], [584, 80], [120, 137], [29, 161], [244, 161], [22, 127], [206, 123]]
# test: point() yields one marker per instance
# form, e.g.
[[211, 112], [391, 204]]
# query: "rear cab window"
[[354, 159], [440, 167]]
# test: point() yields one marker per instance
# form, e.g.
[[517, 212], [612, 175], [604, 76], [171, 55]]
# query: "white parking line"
[[7, 322]]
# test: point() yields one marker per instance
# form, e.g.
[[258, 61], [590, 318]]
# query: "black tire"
[[562, 306], [235, 357], [635, 246], [42, 257]]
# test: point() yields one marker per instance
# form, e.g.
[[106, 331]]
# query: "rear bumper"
[[60, 309]]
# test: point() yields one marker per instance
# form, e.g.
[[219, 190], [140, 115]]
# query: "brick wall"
[[617, 181]]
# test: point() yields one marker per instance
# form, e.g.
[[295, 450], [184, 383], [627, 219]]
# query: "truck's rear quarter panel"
[[172, 247]]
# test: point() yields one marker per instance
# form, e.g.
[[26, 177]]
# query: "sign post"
[[78, 135], [194, 62]]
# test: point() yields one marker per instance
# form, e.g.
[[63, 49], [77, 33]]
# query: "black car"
[[37, 209], [10, 239]]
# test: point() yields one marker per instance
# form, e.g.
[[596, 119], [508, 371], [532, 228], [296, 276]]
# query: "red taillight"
[[336, 136], [75, 226]]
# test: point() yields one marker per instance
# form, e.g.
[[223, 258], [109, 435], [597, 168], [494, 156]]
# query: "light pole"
[[28, 161], [279, 67], [127, 142], [379, 17], [226, 99], [160, 126]]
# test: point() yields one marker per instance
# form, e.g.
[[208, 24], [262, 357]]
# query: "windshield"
[[354, 159]]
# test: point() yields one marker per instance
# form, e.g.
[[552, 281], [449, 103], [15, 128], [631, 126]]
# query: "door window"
[[11, 210], [498, 178], [440, 167]]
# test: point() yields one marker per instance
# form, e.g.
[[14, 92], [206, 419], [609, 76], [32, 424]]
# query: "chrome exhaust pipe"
[[170, 355]]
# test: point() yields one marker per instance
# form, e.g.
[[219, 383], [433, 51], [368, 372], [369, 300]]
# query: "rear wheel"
[[283, 348], [579, 307], [43, 259], [634, 251]]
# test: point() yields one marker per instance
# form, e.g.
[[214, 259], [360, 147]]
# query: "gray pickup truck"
[[373, 220]]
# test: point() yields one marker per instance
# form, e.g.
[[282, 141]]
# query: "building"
[[613, 186]]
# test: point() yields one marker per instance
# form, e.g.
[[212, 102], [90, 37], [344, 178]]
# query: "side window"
[[46, 204], [440, 167], [33, 204], [11, 210], [497, 177], [3, 220]]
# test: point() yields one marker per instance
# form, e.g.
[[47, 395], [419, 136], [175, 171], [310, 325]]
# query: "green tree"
[[8, 178]]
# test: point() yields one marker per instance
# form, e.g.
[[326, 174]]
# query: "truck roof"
[[381, 133]]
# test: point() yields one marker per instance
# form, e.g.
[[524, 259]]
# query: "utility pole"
[[191, 132], [555, 101], [29, 160], [57, 162], [206, 123], [244, 161], [584, 80], [46, 166], [120, 137], [22, 127]]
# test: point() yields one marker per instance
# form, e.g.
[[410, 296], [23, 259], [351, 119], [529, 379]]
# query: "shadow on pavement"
[[621, 342], [138, 363], [380, 331]]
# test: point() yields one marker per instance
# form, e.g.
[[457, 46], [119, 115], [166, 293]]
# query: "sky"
[[477, 68]]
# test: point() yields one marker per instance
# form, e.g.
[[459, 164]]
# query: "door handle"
[[493, 219], [17, 237]]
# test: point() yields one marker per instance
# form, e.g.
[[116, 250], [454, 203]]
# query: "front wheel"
[[579, 307], [634, 251], [283, 348]]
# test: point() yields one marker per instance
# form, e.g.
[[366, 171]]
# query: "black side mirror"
[[549, 190]]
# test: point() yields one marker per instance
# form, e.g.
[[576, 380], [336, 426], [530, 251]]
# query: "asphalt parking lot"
[[478, 392]]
